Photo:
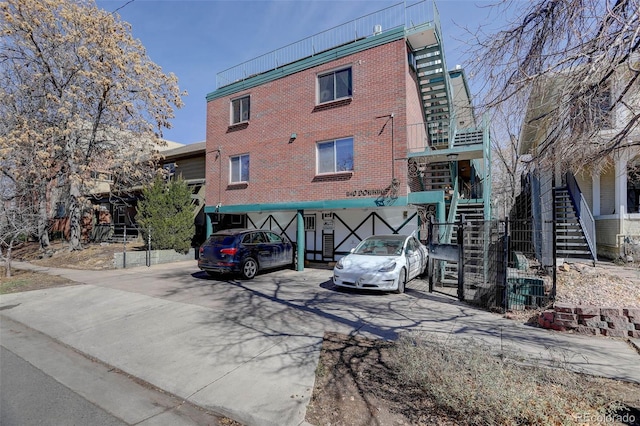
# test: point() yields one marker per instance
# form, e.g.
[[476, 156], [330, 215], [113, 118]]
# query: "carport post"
[[300, 243], [209, 224]]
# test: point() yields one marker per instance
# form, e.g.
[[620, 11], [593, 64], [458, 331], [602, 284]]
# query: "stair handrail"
[[448, 230], [453, 122], [587, 222]]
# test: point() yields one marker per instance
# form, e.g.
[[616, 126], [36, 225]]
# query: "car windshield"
[[380, 247]]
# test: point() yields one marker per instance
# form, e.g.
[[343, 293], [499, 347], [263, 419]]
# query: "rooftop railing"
[[368, 25]]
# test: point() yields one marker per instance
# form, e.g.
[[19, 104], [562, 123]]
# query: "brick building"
[[357, 135]]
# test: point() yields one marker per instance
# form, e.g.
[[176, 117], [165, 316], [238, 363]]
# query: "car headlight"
[[388, 267], [339, 265]]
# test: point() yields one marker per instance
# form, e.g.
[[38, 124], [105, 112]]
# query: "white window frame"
[[334, 96], [335, 168], [239, 157], [231, 110]]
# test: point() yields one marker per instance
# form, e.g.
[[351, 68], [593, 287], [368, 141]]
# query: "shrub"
[[165, 211]]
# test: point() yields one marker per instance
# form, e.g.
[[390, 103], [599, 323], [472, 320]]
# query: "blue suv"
[[245, 251]]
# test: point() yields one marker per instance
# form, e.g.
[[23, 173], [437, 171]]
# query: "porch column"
[[595, 178], [209, 230], [621, 185], [300, 242]]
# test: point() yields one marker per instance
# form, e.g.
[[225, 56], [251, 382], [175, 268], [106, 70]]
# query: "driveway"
[[249, 349]]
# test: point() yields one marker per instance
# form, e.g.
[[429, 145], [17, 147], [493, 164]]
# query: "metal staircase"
[[468, 137], [436, 176], [473, 239], [197, 198], [570, 238], [434, 92]]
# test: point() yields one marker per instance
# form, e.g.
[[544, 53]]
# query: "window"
[[60, 210], [240, 110], [633, 186], [240, 168], [334, 85], [310, 222], [335, 156], [273, 238], [237, 219], [254, 238], [169, 169], [120, 215], [601, 110]]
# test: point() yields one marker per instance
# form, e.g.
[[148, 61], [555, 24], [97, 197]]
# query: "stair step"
[[574, 252], [468, 138]]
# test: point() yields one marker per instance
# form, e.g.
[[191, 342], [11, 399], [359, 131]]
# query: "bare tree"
[[506, 160], [78, 94], [574, 62], [19, 214]]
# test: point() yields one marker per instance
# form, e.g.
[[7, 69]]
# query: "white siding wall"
[[586, 186], [607, 191], [191, 168], [348, 227]]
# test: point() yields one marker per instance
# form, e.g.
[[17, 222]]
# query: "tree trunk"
[[7, 260], [74, 223], [43, 231]]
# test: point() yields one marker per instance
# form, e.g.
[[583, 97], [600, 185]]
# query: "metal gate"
[[491, 264]]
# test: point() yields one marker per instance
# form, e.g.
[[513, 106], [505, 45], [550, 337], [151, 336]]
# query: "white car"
[[382, 262]]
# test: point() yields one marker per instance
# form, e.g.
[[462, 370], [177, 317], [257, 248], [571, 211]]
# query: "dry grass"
[[605, 285], [26, 281], [468, 381], [424, 379]]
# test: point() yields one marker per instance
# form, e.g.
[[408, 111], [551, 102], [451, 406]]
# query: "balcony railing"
[[433, 134], [372, 24]]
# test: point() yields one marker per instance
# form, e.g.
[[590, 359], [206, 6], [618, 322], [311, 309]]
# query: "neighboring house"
[[188, 162], [597, 211], [114, 214], [349, 136]]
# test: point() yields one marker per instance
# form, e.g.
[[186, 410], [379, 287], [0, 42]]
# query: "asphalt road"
[[31, 397]]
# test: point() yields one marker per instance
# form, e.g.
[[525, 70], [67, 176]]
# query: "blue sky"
[[198, 39]]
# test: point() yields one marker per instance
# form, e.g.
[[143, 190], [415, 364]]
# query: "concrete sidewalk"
[[249, 349]]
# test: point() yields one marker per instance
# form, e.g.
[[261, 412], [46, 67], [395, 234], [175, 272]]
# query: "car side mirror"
[[352, 250]]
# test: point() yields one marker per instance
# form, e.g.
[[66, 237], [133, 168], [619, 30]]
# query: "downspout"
[[300, 241], [209, 224], [393, 152]]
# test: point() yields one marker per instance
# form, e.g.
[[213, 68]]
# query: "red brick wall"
[[282, 171], [414, 101], [612, 322]]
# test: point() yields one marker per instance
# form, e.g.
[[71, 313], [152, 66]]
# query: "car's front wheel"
[[402, 281], [249, 268]]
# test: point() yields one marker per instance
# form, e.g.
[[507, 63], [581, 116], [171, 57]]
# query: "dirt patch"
[[356, 385], [95, 257], [358, 382], [27, 281]]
